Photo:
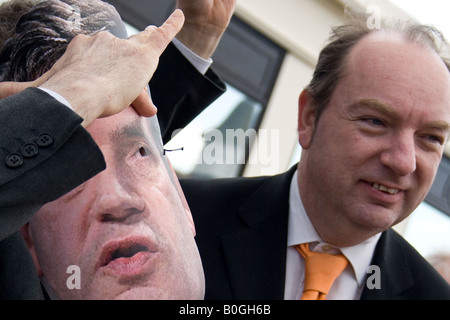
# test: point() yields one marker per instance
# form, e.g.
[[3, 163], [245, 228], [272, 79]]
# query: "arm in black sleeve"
[[46, 153], [181, 92]]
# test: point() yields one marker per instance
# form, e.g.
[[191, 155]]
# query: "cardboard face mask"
[[128, 230], [127, 233]]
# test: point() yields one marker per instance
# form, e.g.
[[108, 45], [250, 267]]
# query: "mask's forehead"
[[155, 131], [117, 27]]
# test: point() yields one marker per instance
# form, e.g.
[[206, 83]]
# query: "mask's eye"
[[144, 152]]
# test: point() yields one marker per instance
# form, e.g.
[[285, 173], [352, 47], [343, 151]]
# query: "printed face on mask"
[[128, 229]]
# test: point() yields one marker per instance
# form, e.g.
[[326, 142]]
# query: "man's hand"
[[206, 21], [101, 75]]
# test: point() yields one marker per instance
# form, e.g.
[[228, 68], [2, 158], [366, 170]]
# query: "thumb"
[[8, 88], [143, 105]]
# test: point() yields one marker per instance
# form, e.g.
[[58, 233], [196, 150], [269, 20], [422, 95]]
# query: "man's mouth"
[[127, 257], [383, 188]]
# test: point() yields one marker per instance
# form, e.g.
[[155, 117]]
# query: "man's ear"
[[306, 119], [28, 237]]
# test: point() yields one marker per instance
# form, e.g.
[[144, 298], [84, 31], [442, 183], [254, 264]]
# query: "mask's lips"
[[124, 249], [128, 252]]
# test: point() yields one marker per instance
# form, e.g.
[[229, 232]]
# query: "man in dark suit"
[[56, 177], [372, 125]]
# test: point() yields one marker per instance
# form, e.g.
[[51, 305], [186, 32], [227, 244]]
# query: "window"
[[217, 143]]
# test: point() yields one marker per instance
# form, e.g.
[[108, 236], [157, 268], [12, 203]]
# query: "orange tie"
[[321, 269]]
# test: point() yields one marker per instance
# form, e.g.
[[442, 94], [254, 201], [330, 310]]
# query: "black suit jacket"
[[49, 174], [241, 226], [72, 157], [180, 92]]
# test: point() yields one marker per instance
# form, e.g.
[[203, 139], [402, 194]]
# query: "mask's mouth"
[[125, 250]]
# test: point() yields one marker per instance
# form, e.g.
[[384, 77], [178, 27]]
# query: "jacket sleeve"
[[180, 92], [46, 153]]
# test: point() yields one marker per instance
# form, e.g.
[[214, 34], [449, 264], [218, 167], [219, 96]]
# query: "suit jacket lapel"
[[394, 267], [256, 255]]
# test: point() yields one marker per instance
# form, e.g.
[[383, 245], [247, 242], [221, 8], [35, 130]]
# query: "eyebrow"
[[389, 111], [133, 130], [377, 106]]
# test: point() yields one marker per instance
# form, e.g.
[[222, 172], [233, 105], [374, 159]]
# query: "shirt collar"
[[301, 230]]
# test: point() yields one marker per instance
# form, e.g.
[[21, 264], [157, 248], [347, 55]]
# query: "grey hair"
[[331, 64], [43, 32], [10, 12]]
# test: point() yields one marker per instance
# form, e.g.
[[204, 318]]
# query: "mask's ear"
[[306, 119], [27, 235]]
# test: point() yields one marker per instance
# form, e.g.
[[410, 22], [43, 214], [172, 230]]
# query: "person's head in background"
[[372, 124], [128, 229]]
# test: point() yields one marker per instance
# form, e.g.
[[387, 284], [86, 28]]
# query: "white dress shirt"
[[350, 284], [202, 65]]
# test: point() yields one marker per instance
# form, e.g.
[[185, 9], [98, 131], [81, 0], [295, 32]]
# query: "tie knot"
[[321, 269]]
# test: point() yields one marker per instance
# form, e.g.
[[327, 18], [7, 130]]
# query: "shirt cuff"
[[202, 65], [57, 96]]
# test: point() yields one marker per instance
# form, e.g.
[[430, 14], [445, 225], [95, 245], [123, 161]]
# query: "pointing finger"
[[162, 36]]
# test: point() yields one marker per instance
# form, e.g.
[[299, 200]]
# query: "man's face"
[[127, 229], [377, 146]]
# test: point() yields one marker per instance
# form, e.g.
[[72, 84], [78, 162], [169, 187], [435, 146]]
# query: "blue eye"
[[435, 139], [376, 122]]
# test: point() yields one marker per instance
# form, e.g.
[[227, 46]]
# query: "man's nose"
[[400, 154], [115, 200]]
